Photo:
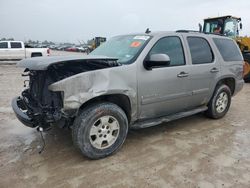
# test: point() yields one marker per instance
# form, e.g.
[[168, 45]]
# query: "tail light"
[[48, 51]]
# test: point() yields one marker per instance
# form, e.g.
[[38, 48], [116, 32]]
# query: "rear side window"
[[171, 46], [200, 50], [15, 45], [228, 49], [3, 45]]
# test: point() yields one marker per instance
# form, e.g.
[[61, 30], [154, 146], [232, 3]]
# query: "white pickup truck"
[[15, 50]]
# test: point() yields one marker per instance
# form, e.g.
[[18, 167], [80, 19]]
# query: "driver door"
[[163, 90]]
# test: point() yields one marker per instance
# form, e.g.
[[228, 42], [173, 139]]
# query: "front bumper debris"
[[20, 109]]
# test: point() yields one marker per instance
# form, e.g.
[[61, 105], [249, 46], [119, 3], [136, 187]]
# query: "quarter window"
[[228, 49], [3, 45], [172, 47], [15, 45], [200, 50]]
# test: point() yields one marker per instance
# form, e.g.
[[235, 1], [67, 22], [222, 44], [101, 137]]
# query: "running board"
[[157, 121]]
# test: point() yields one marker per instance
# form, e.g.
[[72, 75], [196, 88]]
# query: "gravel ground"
[[190, 152]]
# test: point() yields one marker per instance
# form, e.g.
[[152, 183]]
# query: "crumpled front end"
[[37, 106]]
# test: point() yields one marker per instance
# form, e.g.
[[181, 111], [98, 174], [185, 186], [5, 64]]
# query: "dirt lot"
[[191, 152]]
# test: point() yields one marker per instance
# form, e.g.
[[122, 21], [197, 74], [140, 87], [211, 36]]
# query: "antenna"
[[200, 28]]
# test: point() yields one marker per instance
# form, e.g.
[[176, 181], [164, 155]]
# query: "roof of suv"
[[187, 32]]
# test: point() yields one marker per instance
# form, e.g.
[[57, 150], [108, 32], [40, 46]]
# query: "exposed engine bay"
[[42, 106]]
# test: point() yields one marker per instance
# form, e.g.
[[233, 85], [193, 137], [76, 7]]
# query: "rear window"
[[15, 45], [228, 49], [3, 45], [200, 50]]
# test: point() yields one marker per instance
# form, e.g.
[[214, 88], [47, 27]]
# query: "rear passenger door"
[[203, 72]]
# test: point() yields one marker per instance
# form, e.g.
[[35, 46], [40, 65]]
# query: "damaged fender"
[[80, 88]]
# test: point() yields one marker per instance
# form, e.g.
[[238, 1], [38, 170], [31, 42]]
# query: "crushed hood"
[[42, 63]]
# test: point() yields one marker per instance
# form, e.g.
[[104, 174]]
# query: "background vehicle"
[[72, 49], [130, 81], [16, 50], [78, 48], [230, 26], [95, 42]]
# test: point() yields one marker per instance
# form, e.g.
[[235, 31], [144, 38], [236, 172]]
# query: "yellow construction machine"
[[230, 26], [95, 42]]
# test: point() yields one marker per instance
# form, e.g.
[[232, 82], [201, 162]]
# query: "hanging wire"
[[43, 141]]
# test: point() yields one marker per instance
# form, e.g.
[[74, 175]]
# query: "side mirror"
[[241, 26], [157, 61]]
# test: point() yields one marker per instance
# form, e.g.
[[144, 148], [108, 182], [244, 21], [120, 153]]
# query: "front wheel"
[[220, 102], [100, 130]]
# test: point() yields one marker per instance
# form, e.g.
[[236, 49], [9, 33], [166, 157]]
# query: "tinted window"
[[228, 49], [3, 45], [15, 45], [172, 47], [200, 50]]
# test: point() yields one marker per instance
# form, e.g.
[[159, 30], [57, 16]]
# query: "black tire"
[[247, 59], [85, 121], [212, 111]]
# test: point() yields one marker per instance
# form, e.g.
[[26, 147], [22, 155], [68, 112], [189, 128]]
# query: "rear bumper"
[[19, 108], [238, 86]]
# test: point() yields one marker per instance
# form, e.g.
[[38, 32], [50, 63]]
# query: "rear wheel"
[[100, 130], [220, 102]]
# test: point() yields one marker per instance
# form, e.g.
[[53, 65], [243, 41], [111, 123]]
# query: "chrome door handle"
[[214, 70], [182, 74]]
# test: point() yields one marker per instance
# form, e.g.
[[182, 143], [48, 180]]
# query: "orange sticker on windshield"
[[135, 44]]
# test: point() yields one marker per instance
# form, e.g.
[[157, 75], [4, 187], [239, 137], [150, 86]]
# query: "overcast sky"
[[73, 20]]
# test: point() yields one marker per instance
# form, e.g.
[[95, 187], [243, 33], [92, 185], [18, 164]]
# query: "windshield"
[[124, 48], [230, 29]]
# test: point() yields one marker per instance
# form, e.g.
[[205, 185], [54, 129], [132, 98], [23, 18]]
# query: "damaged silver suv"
[[131, 81]]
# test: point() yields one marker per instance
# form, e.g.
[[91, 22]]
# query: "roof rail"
[[187, 31], [192, 31]]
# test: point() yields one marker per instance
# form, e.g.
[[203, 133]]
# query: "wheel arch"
[[120, 100], [229, 81]]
